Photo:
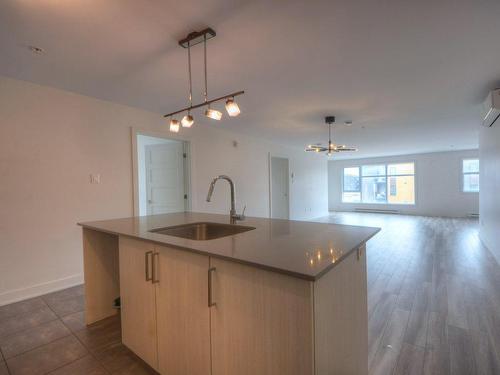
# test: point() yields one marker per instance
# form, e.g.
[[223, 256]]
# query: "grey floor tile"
[[3, 369], [25, 321], [84, 366], [75, 322], [48, 357], [32, 338], [117, 357], [61, 295], [136, 369], [102, 335], [22, 307], [67, 306]]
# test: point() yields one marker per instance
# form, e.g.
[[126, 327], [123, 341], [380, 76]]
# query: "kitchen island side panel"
[[101, 273], [341, 318]]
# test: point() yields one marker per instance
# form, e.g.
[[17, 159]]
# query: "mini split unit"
[[491, 108]]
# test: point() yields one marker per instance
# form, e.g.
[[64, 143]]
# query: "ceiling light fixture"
[[332, 147], [232, 107], [213, 114], [174, 125], [187, 121]]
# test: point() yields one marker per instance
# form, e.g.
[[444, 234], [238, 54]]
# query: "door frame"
[[270, 157], [134, 132]]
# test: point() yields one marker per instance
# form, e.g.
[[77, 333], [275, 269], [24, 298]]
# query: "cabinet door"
[[341, 318], [261, 322], [182, 312], [138, 308]]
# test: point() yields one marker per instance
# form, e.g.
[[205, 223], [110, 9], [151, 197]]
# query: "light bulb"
[[213, 114], [187, 121], [174, 126], [232, 108]]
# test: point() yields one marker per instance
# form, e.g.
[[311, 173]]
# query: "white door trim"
[[134, 132]]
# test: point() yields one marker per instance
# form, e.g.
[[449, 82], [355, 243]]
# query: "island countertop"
[[297, 248]]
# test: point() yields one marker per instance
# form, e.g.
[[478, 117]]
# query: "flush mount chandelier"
[[187, 121], [332, 147]]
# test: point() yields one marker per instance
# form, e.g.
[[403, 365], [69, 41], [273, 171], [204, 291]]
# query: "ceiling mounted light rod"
[[197, 37], [205, 103], [188, 120], [231, 106], [190, 80]]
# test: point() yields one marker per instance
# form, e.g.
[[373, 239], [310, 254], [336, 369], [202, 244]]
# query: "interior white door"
[[165, 178], [279, 188]]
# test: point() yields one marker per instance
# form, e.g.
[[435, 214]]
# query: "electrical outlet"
[[95, 178]]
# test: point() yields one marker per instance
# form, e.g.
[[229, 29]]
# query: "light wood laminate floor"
[[433, 296], [433, 301]]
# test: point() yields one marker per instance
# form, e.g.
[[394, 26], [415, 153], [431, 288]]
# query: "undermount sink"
[[202, 231]]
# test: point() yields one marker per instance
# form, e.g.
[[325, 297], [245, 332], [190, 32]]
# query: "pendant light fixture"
[[174, 125], [332, 147], [232, 107]]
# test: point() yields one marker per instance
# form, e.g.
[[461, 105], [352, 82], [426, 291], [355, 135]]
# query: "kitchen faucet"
[[232, 214]]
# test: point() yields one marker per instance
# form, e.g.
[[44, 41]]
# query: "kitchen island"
[[279, 297]]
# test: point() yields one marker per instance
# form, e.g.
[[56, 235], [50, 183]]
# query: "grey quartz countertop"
[[298, 248]]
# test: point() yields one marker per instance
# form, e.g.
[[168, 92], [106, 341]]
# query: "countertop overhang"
[[301, 249]]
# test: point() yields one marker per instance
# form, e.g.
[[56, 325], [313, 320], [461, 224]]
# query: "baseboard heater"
[[376, 210], [475, 216]]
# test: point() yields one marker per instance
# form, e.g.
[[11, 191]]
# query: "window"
[[380, 183], [470, 172], [352, 185]]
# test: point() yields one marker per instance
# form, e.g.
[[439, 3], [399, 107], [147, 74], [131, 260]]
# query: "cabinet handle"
[[358, 253], [146, 262], [210, 300], [155, 266]]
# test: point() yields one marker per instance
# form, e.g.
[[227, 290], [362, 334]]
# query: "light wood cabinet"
[[341, 318], [183, 313], [201, 315], [261, 322], [138, 300]]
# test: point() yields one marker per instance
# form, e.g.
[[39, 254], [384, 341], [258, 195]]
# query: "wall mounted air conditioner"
[[491, 108]]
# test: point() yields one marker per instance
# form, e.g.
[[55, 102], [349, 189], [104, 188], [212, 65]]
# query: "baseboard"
[[21, 294]]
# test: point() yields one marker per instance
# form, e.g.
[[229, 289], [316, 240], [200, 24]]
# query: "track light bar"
[[205, 103], [197, 37]]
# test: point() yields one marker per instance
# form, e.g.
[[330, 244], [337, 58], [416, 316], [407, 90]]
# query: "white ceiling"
[[409, 74]]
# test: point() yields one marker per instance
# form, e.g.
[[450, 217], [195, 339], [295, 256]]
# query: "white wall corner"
[[37, 290]]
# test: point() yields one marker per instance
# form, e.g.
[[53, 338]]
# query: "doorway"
[[161, 175], [279, 189]]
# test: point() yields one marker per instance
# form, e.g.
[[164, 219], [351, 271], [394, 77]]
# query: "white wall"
[[52, 140], [438, 185], [489, 201]]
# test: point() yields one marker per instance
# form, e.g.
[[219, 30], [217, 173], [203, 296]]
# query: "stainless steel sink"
[[202, 231]]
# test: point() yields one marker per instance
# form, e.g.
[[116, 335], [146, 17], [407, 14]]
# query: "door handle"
[[210, 299], [146, 263], [155, 271]]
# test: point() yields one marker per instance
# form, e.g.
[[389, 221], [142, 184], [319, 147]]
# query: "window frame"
[[462, 176], [386, 176]]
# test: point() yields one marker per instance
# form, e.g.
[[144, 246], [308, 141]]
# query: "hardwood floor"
[[433, 296], [433, 303]]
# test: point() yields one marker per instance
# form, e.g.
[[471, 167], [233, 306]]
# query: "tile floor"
[[47, 335]]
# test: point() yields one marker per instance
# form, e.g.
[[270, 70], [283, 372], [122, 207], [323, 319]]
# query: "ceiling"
[[409, 74]]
